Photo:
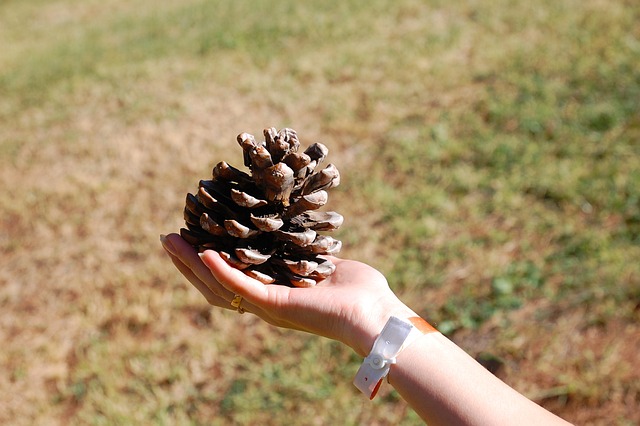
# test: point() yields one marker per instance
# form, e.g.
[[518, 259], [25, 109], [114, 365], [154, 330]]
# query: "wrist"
[[372, 320], [396, 335]]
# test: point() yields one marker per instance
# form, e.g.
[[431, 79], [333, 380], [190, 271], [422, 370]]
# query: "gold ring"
[[237, 300]]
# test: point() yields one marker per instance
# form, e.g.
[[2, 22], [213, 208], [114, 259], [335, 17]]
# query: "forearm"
[[445, 386]]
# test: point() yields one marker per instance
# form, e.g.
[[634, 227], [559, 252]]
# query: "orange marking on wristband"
[[422, 325], [376, 389]]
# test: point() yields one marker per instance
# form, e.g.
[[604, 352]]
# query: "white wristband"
[[393, 338]]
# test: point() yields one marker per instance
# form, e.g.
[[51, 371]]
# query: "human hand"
[[352, 305]]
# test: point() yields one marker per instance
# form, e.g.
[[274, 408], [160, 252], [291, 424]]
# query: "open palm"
[[350, 306]]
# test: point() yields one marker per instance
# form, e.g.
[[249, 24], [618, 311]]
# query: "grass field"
[[490, 162]]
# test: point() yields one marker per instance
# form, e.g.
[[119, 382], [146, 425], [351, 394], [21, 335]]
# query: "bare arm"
[[442, 383], [445, 386]]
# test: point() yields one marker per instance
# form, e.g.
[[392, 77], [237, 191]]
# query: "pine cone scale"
[[243, 199], [267, 224]]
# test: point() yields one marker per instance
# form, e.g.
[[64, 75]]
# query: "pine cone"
[[266, 223]]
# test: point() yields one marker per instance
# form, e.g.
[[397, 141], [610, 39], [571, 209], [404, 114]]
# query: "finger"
[[181, 250], [238, 283], [211, 297], [271, 302]]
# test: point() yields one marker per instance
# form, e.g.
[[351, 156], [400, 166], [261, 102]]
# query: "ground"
[[489, 161]]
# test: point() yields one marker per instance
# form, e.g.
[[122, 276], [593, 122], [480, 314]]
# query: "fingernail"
[[201, 255], [167, 245]]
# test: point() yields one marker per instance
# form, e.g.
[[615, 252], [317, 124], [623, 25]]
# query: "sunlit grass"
[[489, 161]]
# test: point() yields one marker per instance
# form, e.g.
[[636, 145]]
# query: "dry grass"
[[492, 147]]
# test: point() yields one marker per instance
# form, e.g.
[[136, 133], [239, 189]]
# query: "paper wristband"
[[396, 335]]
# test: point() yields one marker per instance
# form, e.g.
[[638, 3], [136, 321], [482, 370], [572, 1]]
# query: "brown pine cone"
[[267, 223]]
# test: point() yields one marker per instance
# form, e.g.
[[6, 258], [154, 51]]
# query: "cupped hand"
[[351, 306]]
